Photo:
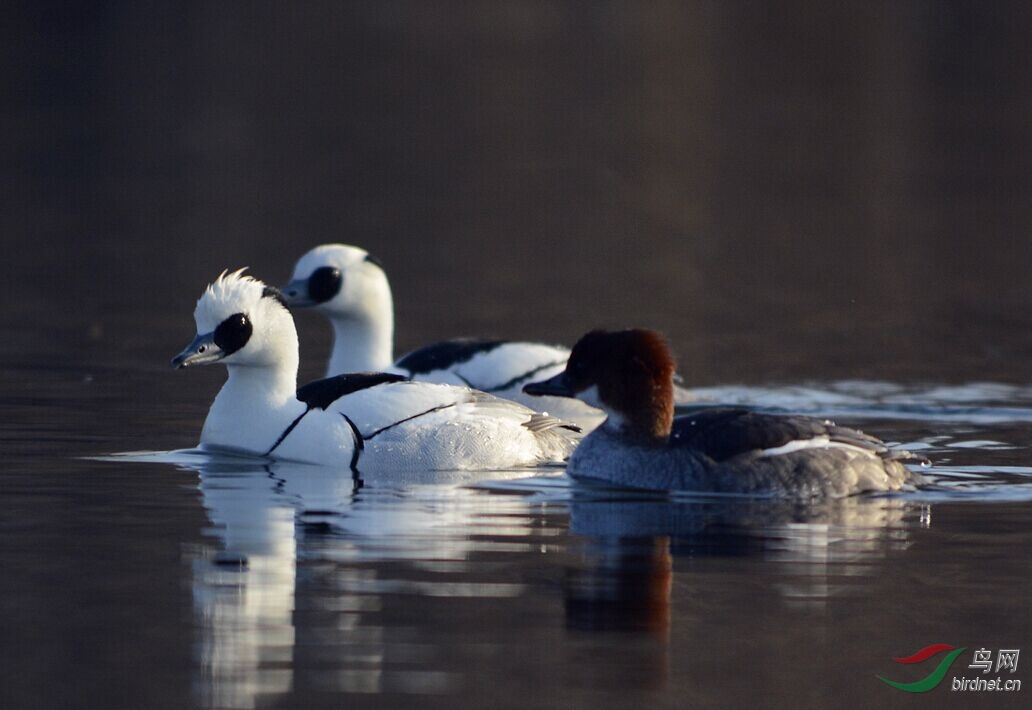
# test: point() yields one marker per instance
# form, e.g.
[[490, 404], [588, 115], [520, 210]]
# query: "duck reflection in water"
[[311, 567], [280, 605], [636, 545]]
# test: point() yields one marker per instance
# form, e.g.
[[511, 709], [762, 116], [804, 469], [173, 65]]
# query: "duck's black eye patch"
[[324, 284], [233, 333]]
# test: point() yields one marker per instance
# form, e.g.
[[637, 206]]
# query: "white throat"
[[252, 408], [615, 421]]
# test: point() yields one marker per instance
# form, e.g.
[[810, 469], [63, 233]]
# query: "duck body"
[[403, 425], [641, 444], [797, 457], [360, 420]]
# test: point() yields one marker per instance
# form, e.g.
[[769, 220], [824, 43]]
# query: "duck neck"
[[254, 405], [271, 385], [648, 424], [362, 343]]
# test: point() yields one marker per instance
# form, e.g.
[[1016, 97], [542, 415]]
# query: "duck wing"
[[724, 432]]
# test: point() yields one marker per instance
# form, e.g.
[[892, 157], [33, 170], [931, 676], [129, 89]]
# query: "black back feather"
[[724, 432], [440, 356], [320, 394]]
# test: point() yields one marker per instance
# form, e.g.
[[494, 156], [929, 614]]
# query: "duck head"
[[341, 281], [628, 374], [241, 321]]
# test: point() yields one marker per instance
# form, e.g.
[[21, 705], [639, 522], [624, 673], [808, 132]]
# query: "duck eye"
[[233, 333], [324, 284]]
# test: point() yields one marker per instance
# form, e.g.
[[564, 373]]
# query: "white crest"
[[232, 292]]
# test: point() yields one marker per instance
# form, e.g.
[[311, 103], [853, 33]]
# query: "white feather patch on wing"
[[817, 442]]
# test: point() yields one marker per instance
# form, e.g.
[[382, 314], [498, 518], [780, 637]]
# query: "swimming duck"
[[349, 286], [628, 374], [358, 419]]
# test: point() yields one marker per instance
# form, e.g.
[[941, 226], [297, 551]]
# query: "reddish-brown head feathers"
[[634, 371]]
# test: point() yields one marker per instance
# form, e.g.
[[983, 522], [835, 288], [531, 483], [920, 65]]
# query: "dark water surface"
[[825, 206]]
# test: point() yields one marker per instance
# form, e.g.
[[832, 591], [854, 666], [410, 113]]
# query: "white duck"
[[350, 287], [364, 420]]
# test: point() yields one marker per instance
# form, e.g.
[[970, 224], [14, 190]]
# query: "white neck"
[[362, 344], [253, 407]]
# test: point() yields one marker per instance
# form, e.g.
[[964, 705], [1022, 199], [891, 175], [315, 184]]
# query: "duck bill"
[[202, 351], [556, 386], [295, 294]]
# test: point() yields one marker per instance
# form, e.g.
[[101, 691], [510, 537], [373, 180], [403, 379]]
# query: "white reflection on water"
[[274, 520], [244, 594]]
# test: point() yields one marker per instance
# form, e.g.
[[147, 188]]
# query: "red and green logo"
[[936, 676]]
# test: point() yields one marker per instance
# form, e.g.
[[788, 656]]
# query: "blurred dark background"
[[792, 190]]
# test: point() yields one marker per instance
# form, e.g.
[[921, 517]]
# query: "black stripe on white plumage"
[[628, 374], [368, 419]]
